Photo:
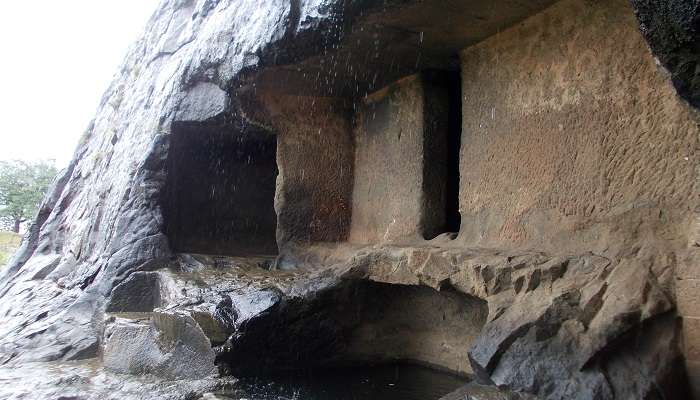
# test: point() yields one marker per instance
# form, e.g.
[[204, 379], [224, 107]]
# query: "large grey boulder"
[[169, 345]]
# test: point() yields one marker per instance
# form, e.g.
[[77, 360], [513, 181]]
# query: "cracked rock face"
[[101, 221], [169, 345], [97, 276], [536, 312], [672, 31], [549, 311]]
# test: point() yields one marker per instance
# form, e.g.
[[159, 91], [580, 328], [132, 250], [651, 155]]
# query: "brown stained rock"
[[689, 264], [387, 192], [315, 157], [436, 270], [557, 153], [691, 338], [389, 269], [688, 297], [564, 321]]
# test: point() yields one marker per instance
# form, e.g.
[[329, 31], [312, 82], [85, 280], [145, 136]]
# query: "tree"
[[22, 187]]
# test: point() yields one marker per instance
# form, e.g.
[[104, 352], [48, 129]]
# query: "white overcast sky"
[[57, 57]]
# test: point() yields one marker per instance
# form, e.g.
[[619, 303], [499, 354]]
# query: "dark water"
[[87, 380], [388, 382]]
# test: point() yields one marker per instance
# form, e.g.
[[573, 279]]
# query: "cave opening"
[[454, 140], [220, 190], [359, 324], [442, 145]]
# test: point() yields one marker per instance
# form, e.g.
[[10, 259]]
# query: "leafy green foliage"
[[22, 187]]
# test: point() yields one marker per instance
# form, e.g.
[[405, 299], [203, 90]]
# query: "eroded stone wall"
[[315, 154], [399, 186], [417, 323], [388, 167], [573, 139]]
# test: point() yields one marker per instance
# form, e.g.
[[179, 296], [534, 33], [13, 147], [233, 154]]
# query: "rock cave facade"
[[501, 189]]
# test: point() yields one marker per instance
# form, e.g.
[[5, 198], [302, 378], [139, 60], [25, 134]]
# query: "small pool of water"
[[386, 382]]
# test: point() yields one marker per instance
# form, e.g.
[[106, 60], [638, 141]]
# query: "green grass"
[[9, 241]]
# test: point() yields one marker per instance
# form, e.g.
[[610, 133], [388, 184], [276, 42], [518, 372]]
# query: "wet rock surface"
[[87, 380], [167, 344], [97, 276], [557, 327], [555, 324], [671, 28]]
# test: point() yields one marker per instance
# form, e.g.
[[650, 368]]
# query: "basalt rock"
[[165, 344], [536, 312], [268, 186], [672, 30], [552, 311]]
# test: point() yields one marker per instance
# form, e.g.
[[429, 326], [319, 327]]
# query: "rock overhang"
[[376, 43]]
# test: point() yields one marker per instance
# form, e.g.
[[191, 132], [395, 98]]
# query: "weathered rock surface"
[[87, 380], [592, 325], [553, 321], [671, 28], [169, 345], [557, 327], [102, 219]]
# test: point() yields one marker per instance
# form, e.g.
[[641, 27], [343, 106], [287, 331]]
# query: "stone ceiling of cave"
[[392, 42]]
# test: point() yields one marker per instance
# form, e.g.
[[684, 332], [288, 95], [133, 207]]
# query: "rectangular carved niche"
[[442, 127], [220, 191]]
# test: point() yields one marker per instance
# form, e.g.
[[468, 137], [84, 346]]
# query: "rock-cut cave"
[[504, 192], [219, 197]]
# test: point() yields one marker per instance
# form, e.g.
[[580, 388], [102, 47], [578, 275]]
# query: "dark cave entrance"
[[357, 324], [454, 142], [442, 144], [220, 190]]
